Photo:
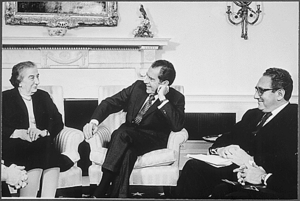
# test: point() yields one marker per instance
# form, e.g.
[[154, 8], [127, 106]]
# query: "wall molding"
[[238, 104]]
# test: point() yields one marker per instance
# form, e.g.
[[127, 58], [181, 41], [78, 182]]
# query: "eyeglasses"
[[261, 91]]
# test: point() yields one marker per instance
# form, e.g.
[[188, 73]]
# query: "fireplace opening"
[[77, 113]]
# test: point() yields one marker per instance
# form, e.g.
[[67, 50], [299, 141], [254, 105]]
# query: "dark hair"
[[281, 79], [16, 74], [167, 71]]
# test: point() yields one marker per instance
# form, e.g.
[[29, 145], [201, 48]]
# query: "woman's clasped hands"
[[30, 135]]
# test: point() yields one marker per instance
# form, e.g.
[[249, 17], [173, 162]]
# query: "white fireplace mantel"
[[81, 64], [83, 52], [83, 41]]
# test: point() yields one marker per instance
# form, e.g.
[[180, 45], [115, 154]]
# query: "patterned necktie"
[[262, 121], [144, 109]]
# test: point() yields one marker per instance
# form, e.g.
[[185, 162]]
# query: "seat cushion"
[[159, 157]]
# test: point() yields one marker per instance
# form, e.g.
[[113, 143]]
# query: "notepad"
[[213, 160]]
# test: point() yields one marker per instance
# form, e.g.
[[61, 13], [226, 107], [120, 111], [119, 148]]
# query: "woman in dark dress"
[[30, 121]]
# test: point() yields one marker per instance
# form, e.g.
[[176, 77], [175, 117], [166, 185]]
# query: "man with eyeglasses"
[[262, 148]]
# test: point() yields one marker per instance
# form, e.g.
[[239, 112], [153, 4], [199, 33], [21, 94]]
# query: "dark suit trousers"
[[201, 180], [198, 179], [229, 191], [5, 189], [126, 144]]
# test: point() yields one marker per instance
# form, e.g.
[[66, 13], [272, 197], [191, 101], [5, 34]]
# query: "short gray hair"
[[16, 74]]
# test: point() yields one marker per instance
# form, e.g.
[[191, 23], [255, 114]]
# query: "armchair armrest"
[[176, 139], [98, 144], [67, 142]]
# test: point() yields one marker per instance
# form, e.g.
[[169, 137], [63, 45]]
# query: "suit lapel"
[[152, 108], [276, 119], [140, 99]]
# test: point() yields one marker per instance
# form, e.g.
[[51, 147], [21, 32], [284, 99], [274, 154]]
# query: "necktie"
[[144, 109], [262, 121]]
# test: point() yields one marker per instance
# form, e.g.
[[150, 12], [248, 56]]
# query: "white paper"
[[213, 160]]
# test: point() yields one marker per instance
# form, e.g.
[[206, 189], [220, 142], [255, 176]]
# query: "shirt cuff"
[[266, 178], [12, 135], [94, 121], [163, 103]]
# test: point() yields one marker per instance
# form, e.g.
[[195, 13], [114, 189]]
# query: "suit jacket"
[[15, 114], [155, 121], [274, 147]]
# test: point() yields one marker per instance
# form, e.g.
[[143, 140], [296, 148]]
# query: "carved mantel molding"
[[83, 41], [82, 52]]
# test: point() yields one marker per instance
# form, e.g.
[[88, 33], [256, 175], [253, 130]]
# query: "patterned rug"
[[147, 192], [155, 192]]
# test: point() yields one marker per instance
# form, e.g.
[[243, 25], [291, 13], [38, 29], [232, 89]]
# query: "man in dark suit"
[[263, 152], [143, 131]]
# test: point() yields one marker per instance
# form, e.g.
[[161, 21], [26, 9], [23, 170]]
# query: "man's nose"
[[36, 80], [146, 80], [256, 96]]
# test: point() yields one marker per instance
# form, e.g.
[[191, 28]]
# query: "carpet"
[[146, 192], [155, 192]]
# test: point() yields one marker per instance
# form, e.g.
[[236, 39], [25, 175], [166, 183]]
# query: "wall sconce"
[[243, 15]]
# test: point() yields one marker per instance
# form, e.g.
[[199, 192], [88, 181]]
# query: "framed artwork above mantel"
[[69, 13]]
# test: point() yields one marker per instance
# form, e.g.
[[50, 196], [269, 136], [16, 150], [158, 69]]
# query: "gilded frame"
[[107, 17]]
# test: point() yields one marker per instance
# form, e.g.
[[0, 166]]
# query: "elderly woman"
[[30, 121]]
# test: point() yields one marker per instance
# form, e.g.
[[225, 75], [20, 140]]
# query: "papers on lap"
[[213, 160]]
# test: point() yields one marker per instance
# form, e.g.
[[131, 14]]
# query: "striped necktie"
[[262, 122], [144, 109]]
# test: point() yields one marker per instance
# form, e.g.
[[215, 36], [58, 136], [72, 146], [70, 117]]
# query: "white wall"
[[210, 56]]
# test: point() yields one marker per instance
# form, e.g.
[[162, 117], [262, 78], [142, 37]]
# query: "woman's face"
[[30, 81]]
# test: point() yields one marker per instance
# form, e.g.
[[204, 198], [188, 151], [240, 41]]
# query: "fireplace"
[[80, 65]]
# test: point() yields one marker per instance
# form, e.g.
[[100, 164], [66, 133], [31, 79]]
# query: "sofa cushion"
[[158, 157]]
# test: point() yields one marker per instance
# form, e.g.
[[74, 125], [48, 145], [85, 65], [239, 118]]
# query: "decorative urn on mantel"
[[59, 25]]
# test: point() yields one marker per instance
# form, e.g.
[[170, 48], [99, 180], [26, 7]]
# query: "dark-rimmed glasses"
[[260, 91]]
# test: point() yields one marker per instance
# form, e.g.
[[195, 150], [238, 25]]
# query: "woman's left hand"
[[35, 133]]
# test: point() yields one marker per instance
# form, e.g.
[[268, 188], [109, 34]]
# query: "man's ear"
[[281, 93], [166, 82]]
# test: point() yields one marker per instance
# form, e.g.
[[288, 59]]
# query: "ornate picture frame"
[[70, 13]]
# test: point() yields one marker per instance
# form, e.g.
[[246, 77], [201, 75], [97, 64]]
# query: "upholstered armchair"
[[67, 141], [155, 168]]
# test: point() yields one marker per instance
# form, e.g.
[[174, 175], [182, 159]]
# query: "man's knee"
[[121, 134], [194, 164]]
